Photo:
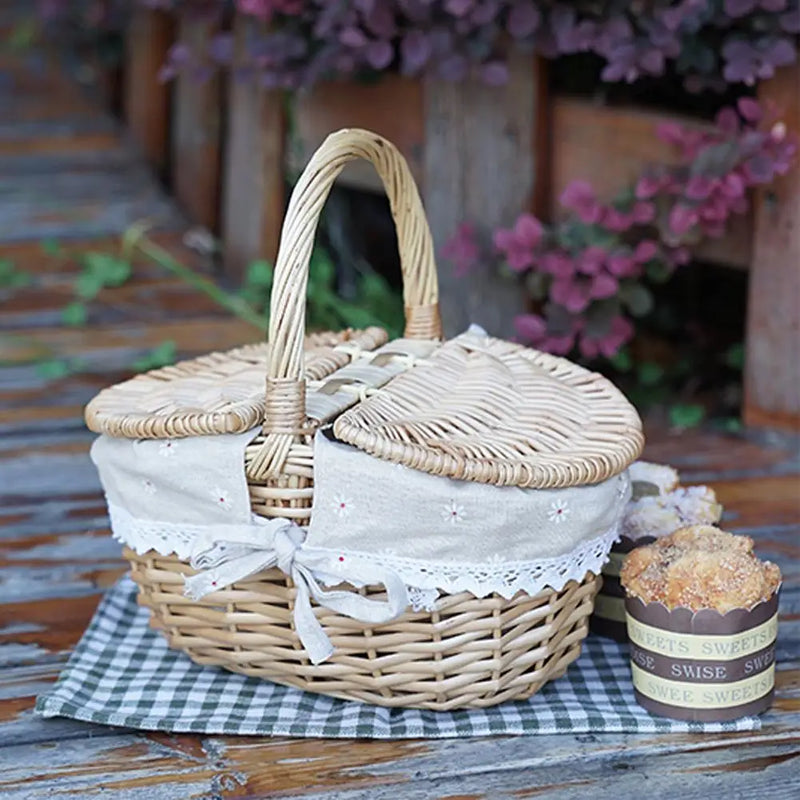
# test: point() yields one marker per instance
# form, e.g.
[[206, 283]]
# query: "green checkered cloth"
[[123, 673]]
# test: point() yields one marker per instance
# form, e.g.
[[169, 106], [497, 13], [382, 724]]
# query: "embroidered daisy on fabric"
[[559, 511], [148, 486], [342, 506], [453, 513], [167, 448], [221, 498]]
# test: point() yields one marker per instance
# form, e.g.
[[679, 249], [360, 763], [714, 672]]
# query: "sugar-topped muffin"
[[660, 506], [700, 567]]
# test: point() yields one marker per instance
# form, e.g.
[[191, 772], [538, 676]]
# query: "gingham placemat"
[[123, 673]]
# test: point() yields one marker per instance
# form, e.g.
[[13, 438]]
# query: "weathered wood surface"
[[772, 378], [146, 99], [253, 197], [481, 165], [56, 559], [392, 107], [197, 131]]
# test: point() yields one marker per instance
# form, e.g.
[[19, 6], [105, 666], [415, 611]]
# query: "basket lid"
[[215, 393], [483, 409]]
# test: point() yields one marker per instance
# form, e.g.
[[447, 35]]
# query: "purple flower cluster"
[[591, 274], [301, 41], [711, 44]]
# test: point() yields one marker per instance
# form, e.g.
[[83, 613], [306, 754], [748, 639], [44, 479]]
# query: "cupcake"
[[658, 506], [702, 618]]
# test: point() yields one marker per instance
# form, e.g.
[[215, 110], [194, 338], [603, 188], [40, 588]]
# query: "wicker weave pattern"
[[467, 653], [500, 414], [216, 393]]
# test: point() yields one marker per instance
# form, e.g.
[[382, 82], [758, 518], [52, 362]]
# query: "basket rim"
[[487, 410], [130, 409]]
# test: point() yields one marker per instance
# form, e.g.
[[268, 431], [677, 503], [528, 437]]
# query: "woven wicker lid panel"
[[215, 393], [483, 409]]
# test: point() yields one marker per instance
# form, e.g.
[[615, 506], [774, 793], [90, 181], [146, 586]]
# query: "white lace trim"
[[497, 576], [141, 535], [426, 579]]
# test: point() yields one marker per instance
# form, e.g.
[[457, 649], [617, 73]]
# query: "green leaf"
[[259, 275], [108, 269], [321, 269], [621, 360], [74, 314], [537, 283], [161, 355], [636, 297], [734, 357], [11, 277], [23, 34], [650, 373], [51, 247], [718, 159], [658, 271], [686, 415], [88, 285], [732, 425], [54, 368]]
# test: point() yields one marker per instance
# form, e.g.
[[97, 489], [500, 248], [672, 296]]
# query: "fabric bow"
[[231, 553]]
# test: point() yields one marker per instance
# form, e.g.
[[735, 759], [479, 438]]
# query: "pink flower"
[[643, 213], [699, 187], [732, 185], [728, 122], [603, 285], [530, 327], [528, 230], [749, 109], [645, 251], [266, 8], [591, 260], [462, 249], [619, 332], [519, 242], [617, 220], [671, 133], [622, 265], [557, 263], [682, 219], [572, 294], [648, 186], [558, 345], [580, 198]]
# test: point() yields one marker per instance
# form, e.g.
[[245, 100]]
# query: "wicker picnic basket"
[[570, 428]]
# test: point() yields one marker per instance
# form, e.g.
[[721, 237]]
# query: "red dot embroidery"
[[341, 558]]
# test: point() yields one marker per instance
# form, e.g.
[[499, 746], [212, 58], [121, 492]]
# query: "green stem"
[[236, 305]]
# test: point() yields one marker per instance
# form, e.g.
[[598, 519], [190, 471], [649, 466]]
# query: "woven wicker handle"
[[285, 406]]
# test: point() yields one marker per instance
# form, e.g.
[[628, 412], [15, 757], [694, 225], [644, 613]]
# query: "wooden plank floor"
[[56, 557]]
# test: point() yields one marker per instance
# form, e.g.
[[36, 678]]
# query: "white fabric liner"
[[372, 522], [436, 533]]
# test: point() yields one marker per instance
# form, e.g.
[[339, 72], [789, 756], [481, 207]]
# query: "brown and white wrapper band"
[[703, 666], [608, 617]]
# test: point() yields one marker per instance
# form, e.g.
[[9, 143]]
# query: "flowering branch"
[[589, 276]]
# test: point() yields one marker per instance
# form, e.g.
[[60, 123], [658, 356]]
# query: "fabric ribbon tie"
[[231, 553]]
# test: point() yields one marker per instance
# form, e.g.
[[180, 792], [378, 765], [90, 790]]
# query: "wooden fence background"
[[478, 153]]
